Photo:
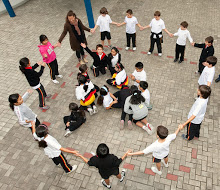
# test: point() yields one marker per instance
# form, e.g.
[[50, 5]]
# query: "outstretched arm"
[[126, 154], [189, 120]]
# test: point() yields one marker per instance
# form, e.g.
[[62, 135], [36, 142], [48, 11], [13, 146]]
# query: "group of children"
[[134, 100]]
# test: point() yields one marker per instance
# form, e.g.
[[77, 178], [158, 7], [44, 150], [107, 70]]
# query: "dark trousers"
[[97, 70], [158, 42], [180, 50], [63, 162], [123, 115], [112, 70], [36, 124], [80, 52], [129, 38], [42, 95], [53, 66], [74, 125], [201, 67], [193, 130], [110, 82], [86, 107]]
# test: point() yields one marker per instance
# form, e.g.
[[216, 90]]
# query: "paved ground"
[[193, 165]]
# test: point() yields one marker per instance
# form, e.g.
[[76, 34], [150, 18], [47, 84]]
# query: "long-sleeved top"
[[24, 113], [80, 92], [182, 35], [32, 76], [206, 51], [98, 62], [139, 111], [113, 60]]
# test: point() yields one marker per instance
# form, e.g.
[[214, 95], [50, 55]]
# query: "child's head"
[[211, 60], [15, 100], [114, 51], [157, 15], [183, 25], [103, 11], [71, 16], [129, 13], [99, 49], [143, 85], [103, 92], [42, 132], [133, 89], [43, 39], [24, 62], [83, 68], [73, 107], [102, 150], [139, 66], [82, 81], [209, 41], [136, 97], [204, 91], [162, 132], [119, 67]]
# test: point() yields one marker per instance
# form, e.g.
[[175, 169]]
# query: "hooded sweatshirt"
[[49, 51]]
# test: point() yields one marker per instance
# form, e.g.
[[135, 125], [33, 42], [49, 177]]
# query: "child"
[[33, 79], [75, 120], [156, 25], [139, 74], [100, 59], [160, 148], [107, 99], [49, 56], [182, 34], [85, 93], [136, 105], [103, 22], [24, 113], [197, 113], [113, 58], [143, 85], [130, 22], [207, 50], [53, 149], [120, 78], [107, 164], [208, 73]]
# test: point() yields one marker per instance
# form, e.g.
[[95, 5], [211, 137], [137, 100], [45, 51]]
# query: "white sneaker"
[[160, 54], [166, 165], [68, 132], [55, 81], [122, 175], [90, 110], [148, 128], [155, 170], [73, 168], [134, 48], [60, 76], [149, 53], [127, 48], [105, 184], [95, 110]]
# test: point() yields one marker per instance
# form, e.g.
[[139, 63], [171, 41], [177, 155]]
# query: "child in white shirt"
[[139, 74], [131, 23], [182, 34], [197, 113], [103, 22], [160, 148], [145, 92]]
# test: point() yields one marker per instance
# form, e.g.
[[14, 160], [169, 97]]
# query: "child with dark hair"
[[52, 148], [23, 112], [197, 113], [107, 164], [160, 148], [207, 50], [143, 87], [139, 74], [33, 79], [113, 58], [136, 105], [182, 34], [74, 120], [49, 56], [99, 59], [119, 78], [85, 92], [107, 99]]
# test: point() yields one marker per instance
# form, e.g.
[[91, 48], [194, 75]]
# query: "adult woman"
[[76, 29]]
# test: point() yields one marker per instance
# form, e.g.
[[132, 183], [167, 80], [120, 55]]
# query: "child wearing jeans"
[[139, 74], [131, 22], [160, 148], [107, 164]]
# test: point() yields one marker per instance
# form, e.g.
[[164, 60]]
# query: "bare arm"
[[139, 25], [136, 153], [68, 151], [82, 157], [114, 23], [120, 24], [126, 154], [189, 120], [112, 96]]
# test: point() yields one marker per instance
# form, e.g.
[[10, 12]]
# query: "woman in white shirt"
[[113, 58]]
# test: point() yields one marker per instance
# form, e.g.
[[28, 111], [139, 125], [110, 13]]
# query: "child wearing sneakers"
[[107, 164], [131, 22], [160, 148], [103, 22], [143, 85], [197, 113], [182, 34], [139, 74]]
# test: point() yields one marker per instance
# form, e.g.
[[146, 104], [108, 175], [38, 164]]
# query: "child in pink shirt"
[[49, 56]]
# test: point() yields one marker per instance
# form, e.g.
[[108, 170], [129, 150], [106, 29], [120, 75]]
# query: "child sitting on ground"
[[113, 58], [143, 85], [139, 74]]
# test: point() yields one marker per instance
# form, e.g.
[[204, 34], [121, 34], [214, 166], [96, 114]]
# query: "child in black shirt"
[[107, 164]]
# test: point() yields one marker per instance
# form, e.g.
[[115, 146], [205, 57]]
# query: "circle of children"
[[134, 101]]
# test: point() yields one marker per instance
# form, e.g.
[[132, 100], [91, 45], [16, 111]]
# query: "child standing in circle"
[[113, 58], [53, 149], [49, 56], [103, 22], [33, 79]]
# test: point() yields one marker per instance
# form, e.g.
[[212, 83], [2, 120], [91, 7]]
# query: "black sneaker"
[[122, 175], [217, 80], [175, 60], [184, 137], [180, 61], [105, 184]]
